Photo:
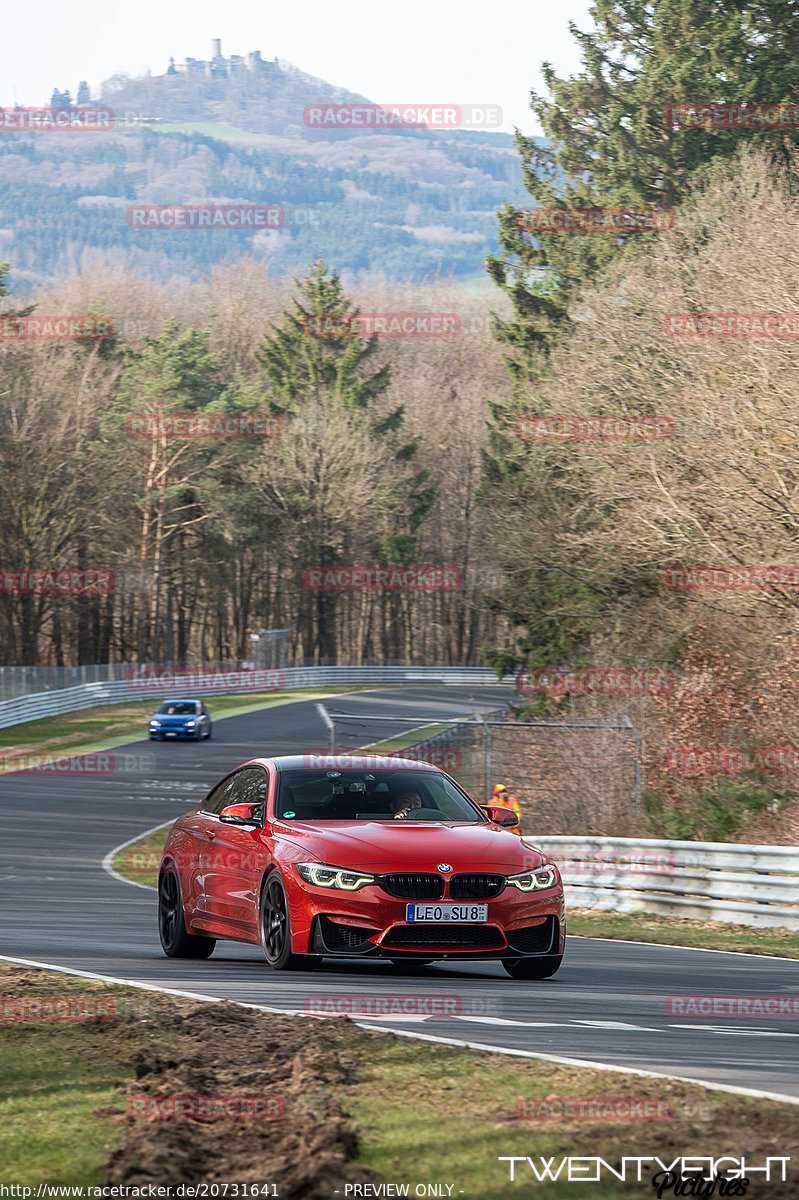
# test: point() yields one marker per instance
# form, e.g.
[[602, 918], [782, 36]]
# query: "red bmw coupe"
[[354, 856]]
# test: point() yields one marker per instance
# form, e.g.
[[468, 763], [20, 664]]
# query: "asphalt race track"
[[607, 1004]]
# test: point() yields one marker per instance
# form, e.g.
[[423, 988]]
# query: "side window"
[[250, 786], [219, 797]]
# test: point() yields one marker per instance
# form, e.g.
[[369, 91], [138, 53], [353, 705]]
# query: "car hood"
[[409, 845]]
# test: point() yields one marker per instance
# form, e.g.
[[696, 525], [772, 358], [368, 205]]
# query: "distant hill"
[[405, 204]]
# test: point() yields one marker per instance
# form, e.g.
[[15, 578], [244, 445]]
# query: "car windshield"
[[353, 795], [178, 708]]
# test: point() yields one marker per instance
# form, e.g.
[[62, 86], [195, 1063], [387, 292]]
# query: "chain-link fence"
[[575, 777]]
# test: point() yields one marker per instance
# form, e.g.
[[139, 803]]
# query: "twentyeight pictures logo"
[[378, 578], [382, 324]]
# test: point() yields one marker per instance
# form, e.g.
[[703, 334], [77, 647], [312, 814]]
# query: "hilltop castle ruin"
[[219, 67]]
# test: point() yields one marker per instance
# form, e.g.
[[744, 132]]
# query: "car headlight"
[[534, 881], [320, 875], [156, 723], [190, 724]]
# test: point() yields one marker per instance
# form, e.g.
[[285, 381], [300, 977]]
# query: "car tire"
[[533, 968], [275, 925], [176, 942], [208, 734]]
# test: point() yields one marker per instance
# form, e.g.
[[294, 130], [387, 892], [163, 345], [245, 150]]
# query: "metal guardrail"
[[709, 881], [141, 685]]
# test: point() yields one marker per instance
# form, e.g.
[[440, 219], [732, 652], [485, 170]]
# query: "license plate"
[[464, 914], [171, 733]]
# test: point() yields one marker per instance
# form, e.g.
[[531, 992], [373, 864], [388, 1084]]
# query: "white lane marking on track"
[[507, 1021], [738, 1030], [668, 946], [422, 1037], [111, 855], [614, 1025]]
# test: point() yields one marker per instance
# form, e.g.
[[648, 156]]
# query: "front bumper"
[[174, 733], [369, 923]]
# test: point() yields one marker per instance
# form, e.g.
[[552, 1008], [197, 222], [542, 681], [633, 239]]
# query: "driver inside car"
[[401, 805]]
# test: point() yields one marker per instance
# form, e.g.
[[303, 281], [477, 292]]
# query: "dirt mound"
[[213, 1056]]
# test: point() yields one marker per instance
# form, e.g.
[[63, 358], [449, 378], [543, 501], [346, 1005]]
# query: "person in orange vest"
[[503, 799]]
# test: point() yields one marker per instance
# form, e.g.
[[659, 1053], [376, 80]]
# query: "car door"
[[200, 829], [237, 859]]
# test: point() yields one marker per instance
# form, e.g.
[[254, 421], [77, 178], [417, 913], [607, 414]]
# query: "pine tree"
[[343, 477], [609, 143]]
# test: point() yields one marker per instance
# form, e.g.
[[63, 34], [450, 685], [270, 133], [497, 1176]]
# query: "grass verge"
[[673, 931], [392, 1110]]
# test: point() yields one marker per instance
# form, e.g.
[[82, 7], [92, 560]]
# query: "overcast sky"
[[421, 51]]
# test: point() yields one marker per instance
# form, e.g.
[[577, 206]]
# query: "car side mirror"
[[241, 814], [501, 816]]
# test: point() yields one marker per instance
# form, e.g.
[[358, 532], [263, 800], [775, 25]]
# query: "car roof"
[[322, 761], [181, 700]]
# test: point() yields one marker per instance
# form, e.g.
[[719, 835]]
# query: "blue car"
[[180, 719]]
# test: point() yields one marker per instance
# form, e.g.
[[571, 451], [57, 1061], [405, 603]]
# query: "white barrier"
[[208, 683], [709, 881]]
